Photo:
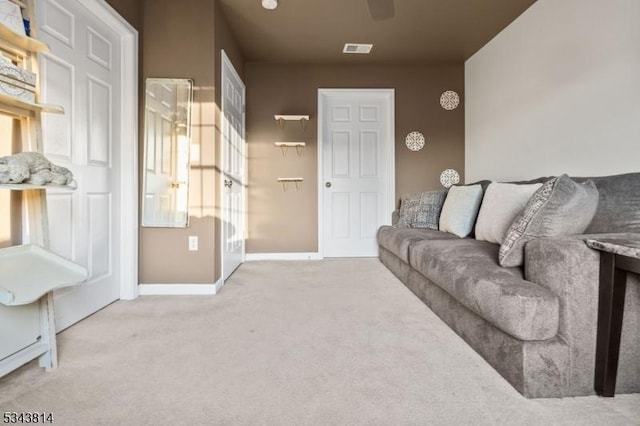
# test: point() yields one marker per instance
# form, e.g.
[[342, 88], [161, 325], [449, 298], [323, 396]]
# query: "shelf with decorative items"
[[284, 146], [295, 180], [27, 186], [282, 119], [33, 171], [19, 44], [20, 108], [30, 272]]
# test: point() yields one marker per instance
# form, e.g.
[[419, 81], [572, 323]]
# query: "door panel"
[[82, 73], [357, 169]]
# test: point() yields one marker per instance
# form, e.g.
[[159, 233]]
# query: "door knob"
[[328, 184], [228, 183]]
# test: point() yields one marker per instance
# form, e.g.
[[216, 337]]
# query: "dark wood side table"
[[617, 257]]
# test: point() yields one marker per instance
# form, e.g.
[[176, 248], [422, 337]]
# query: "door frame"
[[390, 151], [128, 250], [226, 60]]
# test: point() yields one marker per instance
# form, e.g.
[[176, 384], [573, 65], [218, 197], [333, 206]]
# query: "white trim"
[[282, 256], [218, 285], [179, 289], [128, 250], [390, 153]]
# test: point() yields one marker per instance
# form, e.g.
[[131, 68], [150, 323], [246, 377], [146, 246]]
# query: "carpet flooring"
[[333, 342]]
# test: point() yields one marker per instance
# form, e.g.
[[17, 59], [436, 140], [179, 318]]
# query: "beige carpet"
[[335, 342]]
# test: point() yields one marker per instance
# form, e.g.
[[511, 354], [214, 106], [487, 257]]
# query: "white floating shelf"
[[285, 181], [19, 107], [292, 117], [27, 186], [281, 119], [299, 146], [18, 43], [29, 272]]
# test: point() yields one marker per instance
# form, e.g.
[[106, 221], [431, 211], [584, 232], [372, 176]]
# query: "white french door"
[[356, 152], [233, 168], [83, 74]]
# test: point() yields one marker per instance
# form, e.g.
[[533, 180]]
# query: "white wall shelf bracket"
[[282, 119], [299, 146], [285, 181]]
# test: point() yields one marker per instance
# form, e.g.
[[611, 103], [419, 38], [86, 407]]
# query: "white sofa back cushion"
[[460, 209], [501, 204]]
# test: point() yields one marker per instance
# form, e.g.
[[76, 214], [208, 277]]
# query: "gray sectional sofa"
[[536, 324]]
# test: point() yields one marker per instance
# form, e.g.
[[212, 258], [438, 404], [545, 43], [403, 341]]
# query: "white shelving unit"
[[282, 119], [29, 273]]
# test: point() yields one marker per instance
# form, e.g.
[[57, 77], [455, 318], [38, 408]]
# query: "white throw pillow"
[[460, 209], [501, 204]]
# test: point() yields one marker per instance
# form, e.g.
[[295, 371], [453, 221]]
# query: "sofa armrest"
[[571, 270]]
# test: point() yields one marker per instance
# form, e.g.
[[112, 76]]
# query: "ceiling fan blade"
[[381, 9]]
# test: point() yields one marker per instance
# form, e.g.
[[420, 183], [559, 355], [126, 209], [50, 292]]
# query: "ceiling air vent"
[[357, 48]]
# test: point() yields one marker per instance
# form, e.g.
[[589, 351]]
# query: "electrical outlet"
[[193, 243]]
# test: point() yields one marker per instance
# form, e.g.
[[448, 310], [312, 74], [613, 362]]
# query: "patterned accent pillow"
[[421, 209], [560, 207], [428, 215]]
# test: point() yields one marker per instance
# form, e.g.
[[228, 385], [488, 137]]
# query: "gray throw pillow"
[[460, 209], [560, 207], [421, 209]]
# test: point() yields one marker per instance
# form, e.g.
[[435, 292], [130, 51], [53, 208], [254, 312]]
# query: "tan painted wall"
[[183, 40], [131, 10], [287, 221]]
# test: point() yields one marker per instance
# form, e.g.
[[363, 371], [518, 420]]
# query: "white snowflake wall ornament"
[[449, 100], [415, 141], [449, 177]]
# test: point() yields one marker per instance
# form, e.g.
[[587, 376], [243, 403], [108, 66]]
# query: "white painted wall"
[[558, 91]]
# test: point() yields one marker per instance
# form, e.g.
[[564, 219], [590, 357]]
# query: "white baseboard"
[[179, 289], [249, 257]]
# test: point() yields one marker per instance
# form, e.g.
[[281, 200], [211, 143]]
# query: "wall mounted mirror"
[[167, 138]]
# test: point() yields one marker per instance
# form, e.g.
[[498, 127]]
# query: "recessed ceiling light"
[[270, 4], [357, 48]]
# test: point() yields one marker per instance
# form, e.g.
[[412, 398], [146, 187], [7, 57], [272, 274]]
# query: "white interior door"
[[233, 168], [83, 74], [356, 148]]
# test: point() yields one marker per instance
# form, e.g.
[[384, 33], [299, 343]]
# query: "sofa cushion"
[[619, 205], [560, 207], [460, 209], [421, 209], [398, 240], [469, 271], [501, 204]]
